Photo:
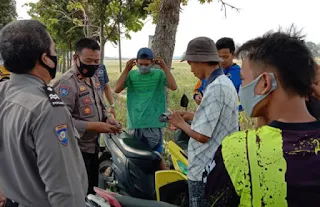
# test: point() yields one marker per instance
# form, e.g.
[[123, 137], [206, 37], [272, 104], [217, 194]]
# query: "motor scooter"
[[104, 198], [134, 171], [130, 167]]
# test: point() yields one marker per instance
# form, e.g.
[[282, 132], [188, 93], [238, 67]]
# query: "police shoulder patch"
[[64, 90], [53, 97], [62, 134]]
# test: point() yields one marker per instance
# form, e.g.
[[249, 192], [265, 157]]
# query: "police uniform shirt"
[[84, 100], [41, 164]]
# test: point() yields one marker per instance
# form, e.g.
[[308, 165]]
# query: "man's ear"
[[266, 83], [46, 60]]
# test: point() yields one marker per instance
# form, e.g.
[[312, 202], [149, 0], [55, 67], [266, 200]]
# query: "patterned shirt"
[[103, 76], [216, 117], [300, 146]]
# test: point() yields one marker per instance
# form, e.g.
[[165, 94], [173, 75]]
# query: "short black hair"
[[287, 53], [22, 43], [86, 43], [226, 43], [213, 63]]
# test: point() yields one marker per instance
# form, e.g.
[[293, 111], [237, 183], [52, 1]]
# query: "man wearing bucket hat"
[[215, 118]]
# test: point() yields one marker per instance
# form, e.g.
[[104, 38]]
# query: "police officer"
[[40, 160], [79, 89]]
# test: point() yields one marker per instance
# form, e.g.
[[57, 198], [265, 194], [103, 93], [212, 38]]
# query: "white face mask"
[[144, 69], [249, 99]]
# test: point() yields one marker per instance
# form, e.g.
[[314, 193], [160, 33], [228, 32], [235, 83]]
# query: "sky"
[[254, 19]]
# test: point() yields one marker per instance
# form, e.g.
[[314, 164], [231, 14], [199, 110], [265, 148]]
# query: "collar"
[[79, 76], [214, 75], [26, 78], [227, 69]]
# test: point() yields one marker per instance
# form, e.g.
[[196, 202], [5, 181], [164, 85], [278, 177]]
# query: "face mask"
[[144, 69], [90, 69], [52, 71], [249, 99]]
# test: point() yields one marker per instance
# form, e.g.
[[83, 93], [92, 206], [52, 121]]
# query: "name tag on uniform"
[[84, 94], [53, 97]]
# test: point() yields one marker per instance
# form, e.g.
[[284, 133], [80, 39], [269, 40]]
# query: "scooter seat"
[[135, 148]]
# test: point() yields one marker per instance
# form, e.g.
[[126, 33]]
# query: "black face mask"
[[52, 71], [90, 69]]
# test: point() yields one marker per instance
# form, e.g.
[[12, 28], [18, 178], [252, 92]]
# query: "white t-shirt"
[[216, 117]]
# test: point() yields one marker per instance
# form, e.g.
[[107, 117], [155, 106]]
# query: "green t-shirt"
[[146, 98]]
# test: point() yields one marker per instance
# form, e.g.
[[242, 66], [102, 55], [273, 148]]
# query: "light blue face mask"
[[249, 99], [144, 69]]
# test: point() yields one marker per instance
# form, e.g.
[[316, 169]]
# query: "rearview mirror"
[[184, 101]]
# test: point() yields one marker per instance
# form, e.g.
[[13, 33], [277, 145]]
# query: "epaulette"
[[53, 97]]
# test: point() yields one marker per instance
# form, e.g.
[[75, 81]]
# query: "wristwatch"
[[112, 105]]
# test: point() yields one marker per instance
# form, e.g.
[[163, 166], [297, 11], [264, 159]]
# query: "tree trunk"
[[165, 35], [70, 55], [68, 60], [64, 64], [87, 15], [102, 41]]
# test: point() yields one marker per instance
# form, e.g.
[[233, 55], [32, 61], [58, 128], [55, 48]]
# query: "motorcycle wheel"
[[105, 174]]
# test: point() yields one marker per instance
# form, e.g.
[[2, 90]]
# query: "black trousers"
[[91, 162]]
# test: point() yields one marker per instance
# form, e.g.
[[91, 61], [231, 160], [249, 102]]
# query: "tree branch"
[[224, 6], [115, 23]]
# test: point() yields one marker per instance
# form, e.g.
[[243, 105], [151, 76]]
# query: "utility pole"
[[120, 61], [119, 29]]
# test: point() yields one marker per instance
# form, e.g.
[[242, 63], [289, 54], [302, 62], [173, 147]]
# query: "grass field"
[[185, 82]]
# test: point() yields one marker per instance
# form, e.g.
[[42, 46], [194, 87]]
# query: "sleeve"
[[219, 188], [127, 83], [164, 78], [68, 94], [235, 78], [52, 134], [105, 75], [208, 113]]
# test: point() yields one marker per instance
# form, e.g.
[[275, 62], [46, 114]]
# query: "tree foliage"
[[315, 48], [99, 19], [154, 7], [8, 12], [62, 28]]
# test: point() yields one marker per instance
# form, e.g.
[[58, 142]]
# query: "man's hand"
[[108, 128], [159, 61], [130, 64], [176, 120], [198, 98], [115, 123], [186, 115], [112, 111], [2, 200]]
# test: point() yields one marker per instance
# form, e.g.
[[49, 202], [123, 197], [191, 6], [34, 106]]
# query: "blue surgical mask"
[[144, 69], [249, 99]]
